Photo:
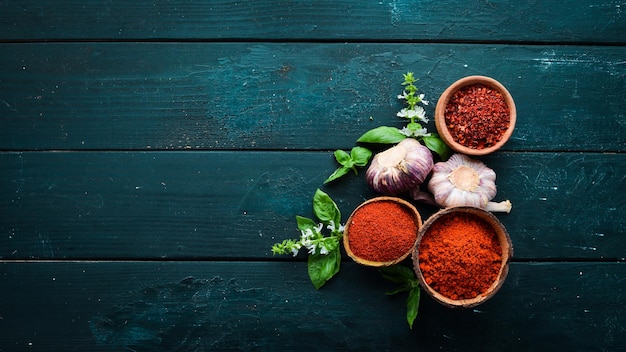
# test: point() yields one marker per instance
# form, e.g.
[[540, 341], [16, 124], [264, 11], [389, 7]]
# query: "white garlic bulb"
[[462, 181], [400, 168]]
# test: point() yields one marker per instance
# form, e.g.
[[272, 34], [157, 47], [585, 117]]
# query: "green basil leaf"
[[434, 143], [343, 158], [338, 173], [412, 305], [325, 208], [382, 134], [305, 223], [398, 273], [360, 155], [322, 267]]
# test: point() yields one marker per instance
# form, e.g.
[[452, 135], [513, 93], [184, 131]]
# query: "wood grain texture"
[[151, 152], [199, 306], [151, 205], [118, 96], [513, 21]]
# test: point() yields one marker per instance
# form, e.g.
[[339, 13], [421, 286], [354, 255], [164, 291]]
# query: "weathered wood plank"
[[563, 21], [192, 306], [291, 96], [236, 205]]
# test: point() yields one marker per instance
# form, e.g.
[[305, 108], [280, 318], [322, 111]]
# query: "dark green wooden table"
[[151, 152]]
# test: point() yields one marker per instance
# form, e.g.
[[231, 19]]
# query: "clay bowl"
[[502, 237], [440, 121], [403, 250]]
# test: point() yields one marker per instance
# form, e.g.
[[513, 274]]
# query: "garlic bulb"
[[400, 168], [462, 181]]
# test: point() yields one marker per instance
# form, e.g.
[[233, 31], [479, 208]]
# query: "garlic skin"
[[399, 168], [462, 181]]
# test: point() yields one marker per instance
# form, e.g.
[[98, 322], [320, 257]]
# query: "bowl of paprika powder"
[[461, 257], [475, 115], [381, 231]]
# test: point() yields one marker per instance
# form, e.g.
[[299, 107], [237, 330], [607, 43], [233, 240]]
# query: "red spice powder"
[[477, 116], [460, 256], [382, 231]]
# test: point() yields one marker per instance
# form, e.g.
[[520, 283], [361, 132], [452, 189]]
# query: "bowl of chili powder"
[[381, 231], [475, 115], [461, 257]]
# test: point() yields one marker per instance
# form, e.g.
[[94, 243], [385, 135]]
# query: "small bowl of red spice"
[[476, 115], [381, 231], [462, 256]]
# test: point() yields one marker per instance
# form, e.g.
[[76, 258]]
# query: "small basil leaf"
[[412, 305], [398, 273], [337, 174], [305, 223], [434, 143], [360, 155], [343, 158], [325, 208], [322, 267], [398, 290], [382, 134]]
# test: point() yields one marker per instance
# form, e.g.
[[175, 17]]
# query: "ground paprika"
[[382, 231], [460, 256], [477, 116]]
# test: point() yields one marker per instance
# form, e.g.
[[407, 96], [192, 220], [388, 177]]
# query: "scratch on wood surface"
[[5, 103], [401, 11], [584, 248], [553, 59], [615, 5], [281, 193], [46, 246]]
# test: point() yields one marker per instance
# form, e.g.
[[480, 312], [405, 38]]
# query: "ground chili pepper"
[[382, 231], [477, 116], [460, 256]]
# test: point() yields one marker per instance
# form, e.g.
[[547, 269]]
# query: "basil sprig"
[[404, 276], [359, 156], [324, 258], [392, 135]]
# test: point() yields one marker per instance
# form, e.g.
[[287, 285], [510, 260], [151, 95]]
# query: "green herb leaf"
[[284, 247], [305, 223], [398, 290], [412, 305], [343, 158], [325, 208], [408, 78], [337, 174], [398, 273], [413, 126], [406, 277], [434, 143], [382, 134], [323, 267], [360, 156]]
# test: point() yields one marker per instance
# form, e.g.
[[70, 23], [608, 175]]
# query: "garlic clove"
[[504, 206], [458, 197], [423, 197]]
